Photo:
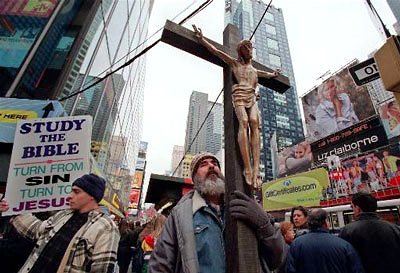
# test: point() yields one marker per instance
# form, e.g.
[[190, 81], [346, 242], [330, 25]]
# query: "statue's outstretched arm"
[[220, 54], [268, 75]]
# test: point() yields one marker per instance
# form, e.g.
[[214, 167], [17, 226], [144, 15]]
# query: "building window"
[[269, 16], [270, 29], [272, 43], [279, 99], [282, 121], [284, 142], [275, 60]]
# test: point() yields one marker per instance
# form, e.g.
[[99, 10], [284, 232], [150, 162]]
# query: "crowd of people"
[[192, 238], [367, 244]]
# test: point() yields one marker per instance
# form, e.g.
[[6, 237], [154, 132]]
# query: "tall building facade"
[[377, 91], [395, 7], [177, 155], [209, 139], [40, 44], [214, 128], [280, 113], [51, 49]]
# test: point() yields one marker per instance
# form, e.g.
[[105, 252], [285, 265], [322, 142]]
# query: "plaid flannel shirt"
[[94, 249]]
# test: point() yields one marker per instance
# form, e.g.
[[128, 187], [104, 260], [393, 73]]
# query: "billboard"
[[140, 163], [36, 8], [47, 156], [137, 180], [303, 189], [390, 116], [295, 159], [12, 110], [143, 147], [134, 198], [373, 171], [362, 137], [335, 105]]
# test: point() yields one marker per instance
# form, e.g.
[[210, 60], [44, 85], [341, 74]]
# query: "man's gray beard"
[[208, 187]]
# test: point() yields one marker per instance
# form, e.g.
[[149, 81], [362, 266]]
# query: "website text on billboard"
[[290, 190]]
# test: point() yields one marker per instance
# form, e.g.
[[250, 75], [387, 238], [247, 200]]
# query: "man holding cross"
[[193, 238], [244, 102]]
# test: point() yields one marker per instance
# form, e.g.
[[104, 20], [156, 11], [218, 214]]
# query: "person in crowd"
[[319, 251], [14, 249], [298, 217], [356, 174], [193, 237], [125, 246], [80, 239], [335, 110], [137, 259], [150, 240], [377, 241], [288, 234], [299, 160], [287, 231]]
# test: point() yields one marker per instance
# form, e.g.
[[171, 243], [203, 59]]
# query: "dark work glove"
[[248, 210]]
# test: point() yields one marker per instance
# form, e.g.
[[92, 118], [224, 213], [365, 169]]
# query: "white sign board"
[[48, 155], [364, 72]]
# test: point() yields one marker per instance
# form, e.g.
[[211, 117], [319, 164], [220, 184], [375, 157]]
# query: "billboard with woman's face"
[[335, 105], [390, 115], [295, 159]]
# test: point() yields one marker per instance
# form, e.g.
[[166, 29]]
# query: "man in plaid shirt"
[[80, 239]]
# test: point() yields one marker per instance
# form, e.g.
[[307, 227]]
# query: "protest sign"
[[48, 155]]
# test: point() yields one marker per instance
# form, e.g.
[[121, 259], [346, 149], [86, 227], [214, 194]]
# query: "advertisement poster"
[[335, 105], [363, 137], [295, 159], [390, 116], [134, 198], [137, 180], [12, 110], [371, 172], [36, 8], [48, 155], [303, 189]]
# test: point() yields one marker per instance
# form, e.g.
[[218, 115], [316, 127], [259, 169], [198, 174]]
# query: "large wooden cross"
[[240, 241]]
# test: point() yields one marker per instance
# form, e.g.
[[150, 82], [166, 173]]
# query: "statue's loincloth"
[[243, 95]]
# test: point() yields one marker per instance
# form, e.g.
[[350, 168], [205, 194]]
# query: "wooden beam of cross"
[[241, 246]]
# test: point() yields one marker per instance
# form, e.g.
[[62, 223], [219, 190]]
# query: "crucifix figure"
[[244, 102], [240, 240]]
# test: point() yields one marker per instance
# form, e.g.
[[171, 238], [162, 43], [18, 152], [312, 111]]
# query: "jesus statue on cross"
[[244, 102]]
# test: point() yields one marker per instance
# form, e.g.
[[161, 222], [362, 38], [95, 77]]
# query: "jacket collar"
[[198, 202], [92, 214], [367, 216], [318, 230]]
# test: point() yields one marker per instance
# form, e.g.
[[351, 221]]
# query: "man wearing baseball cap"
[[80, 239], [193, 240]]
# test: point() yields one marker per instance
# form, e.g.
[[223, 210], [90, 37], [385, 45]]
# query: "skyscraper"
[[209, 139], [395, 7], [214, 128], [279, 112], [177, 154], [51, 49]]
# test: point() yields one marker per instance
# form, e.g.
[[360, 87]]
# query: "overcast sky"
[[323, 35]]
